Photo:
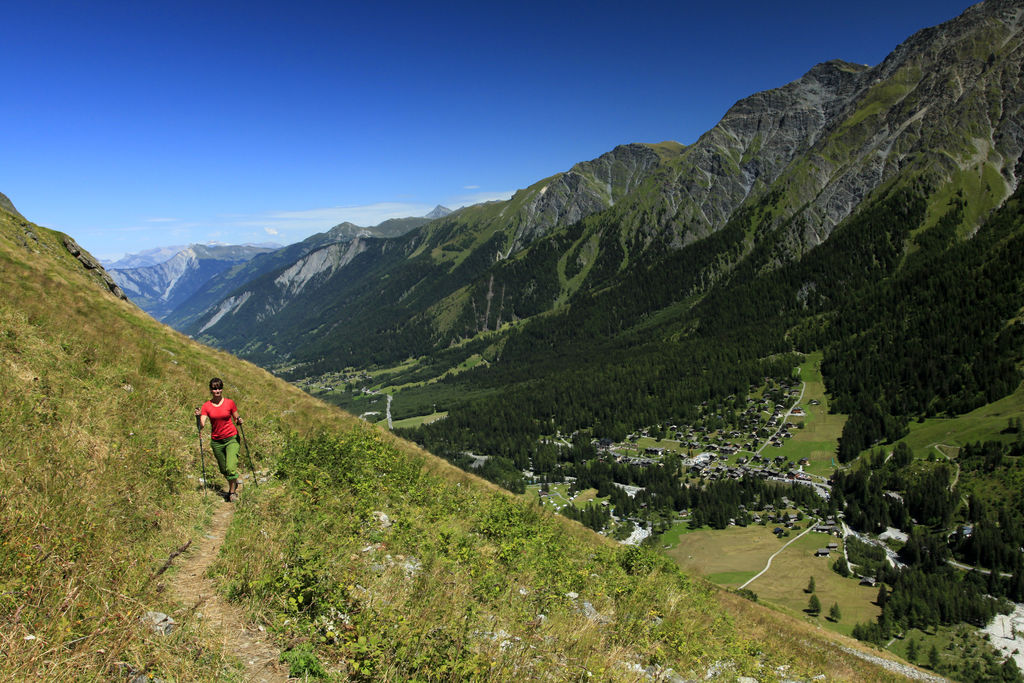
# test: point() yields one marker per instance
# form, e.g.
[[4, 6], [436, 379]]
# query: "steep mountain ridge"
[[8, 206], [214, 290], [941, 115]]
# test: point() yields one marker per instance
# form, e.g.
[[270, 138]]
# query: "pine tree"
[[912, 650], [814, 605], [834, 613], [933, 658], [810, 586]]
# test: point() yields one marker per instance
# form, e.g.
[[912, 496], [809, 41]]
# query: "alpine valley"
[[626, 324], [803, 332]]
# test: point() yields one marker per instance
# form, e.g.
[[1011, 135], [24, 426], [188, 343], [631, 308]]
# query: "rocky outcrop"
[[754, 144], [319, 264], [585, 189], [92, 264]]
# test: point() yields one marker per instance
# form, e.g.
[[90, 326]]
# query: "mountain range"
[[172, 283], [775, 225]]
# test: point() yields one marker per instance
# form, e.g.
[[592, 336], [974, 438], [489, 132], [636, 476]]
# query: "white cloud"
[[470, 187], [470, 198], [161, 220], [308, 221]]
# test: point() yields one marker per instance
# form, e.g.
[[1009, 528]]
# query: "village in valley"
[[742, 494], [780, 437]]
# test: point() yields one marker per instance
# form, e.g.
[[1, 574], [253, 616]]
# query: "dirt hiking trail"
[[196, 591]]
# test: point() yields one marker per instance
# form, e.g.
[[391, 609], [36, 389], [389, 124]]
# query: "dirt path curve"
[[810, 527], [191, 586]]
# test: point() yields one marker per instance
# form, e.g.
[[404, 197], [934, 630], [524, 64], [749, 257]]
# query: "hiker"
[[223, 415]]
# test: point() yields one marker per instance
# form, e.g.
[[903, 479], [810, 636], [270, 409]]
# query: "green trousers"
[[226, 452]]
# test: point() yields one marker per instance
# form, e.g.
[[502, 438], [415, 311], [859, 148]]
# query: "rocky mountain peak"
[[345, 228], [438, 212]]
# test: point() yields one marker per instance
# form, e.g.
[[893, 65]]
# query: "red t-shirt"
[[222, 426]]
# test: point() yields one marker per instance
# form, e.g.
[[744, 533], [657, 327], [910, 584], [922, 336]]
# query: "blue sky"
[[134, 124]]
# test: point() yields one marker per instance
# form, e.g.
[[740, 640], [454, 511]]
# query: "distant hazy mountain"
[[226, 281], [147, 257], [158, 289], [158, 255]]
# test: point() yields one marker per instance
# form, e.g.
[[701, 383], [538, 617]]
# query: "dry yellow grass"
[[737, 549]]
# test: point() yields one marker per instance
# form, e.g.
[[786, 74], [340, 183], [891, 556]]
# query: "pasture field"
[[817, 440], [986, 423], [730, 557], [668, 444], [670, 538], [735, 554], [417, 421], [784, 583]]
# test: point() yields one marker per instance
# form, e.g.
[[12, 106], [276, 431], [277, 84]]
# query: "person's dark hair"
[[216, 383]]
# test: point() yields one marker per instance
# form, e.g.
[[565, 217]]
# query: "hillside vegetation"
[[363, 557]]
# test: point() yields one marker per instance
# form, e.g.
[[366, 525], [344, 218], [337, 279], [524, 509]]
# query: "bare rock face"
[[92, 264], [755, 143], [585, 189], [947, 101]]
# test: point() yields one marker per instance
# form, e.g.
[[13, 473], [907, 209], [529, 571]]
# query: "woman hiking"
[[223, 415]]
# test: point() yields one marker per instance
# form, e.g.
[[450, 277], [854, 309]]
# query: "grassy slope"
[[99, 480]]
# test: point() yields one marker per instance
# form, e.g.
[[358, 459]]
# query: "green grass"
[[983, 424], [731, 556], [731, 578], [671, 537], [417, 421], [785, 582], [819, 437], [709, 552]]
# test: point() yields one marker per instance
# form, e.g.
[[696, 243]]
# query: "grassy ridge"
[[99, 481], [100, 468]]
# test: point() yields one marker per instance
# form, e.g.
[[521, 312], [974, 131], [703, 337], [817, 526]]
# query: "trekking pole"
[[245, 442], [202, 455]]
